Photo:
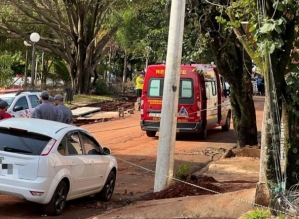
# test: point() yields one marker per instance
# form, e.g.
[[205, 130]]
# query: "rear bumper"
[[22, 188], [188, 127]]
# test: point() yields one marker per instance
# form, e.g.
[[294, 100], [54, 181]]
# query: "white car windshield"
[[8, 99]]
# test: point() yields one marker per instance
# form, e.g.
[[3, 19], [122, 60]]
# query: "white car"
[[21, 104], [50, 162]]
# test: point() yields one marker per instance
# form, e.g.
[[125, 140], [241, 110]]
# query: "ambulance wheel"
[[204, 134], [226, 126], [151, 133]]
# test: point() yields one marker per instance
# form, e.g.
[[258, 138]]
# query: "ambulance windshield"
[[155, 89]]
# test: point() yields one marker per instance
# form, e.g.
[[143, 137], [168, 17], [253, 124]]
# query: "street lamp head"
[[26, 43], [35, 37]]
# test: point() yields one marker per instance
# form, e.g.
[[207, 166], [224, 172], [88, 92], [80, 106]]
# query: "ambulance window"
[[208, 90], [155, 88], [214, 93], [186, 89]]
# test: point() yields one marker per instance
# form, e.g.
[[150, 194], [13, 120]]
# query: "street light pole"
[[147, 50], [26, 63], [34, 37], [42, 71]]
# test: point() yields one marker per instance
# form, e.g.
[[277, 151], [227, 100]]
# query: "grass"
[[258, 214], [87, 99], [183, 171], [90, 98]]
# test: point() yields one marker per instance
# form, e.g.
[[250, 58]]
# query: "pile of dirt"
[[202, 185]]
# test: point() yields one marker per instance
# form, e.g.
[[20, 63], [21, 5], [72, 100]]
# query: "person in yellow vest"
[[139, 86]]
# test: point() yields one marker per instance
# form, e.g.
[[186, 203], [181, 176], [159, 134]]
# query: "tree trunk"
[[262, 194], [229, 60], [243, 111], [73, 71], [292, 144], [109, 65], [272, 133]]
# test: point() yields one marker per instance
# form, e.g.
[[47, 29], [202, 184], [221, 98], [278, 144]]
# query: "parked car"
[[50, 163], [21, 103]]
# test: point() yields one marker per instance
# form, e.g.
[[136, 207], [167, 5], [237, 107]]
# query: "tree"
[[238, 33], [143, 35], [269, 40], [220, 43], [6, 72], [77, 31]]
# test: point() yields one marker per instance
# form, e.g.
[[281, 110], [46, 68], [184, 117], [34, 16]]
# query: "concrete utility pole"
[[165, 156]]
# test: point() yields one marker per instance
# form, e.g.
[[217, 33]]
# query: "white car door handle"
[[73, 163]]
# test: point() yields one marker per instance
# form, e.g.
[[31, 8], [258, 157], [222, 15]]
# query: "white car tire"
[[58, 200], [107, 191]]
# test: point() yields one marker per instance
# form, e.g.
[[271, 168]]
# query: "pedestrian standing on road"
[[3, 108], [59, 111], [67, 113], [139, 87], [259, 84], [45, 110]]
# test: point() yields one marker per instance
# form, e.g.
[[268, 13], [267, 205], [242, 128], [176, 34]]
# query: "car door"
[[99, 162], [21, 107], [34, 102], [211, 97], [78, 165]]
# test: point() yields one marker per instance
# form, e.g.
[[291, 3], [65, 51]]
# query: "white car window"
[[62, 149], [22, 102], [34, 100], [73, 144], [89, 144], [18, 141]]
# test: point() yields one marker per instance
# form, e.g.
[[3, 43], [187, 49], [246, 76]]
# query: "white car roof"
[[15, 94], [8, 95], [41, 126]]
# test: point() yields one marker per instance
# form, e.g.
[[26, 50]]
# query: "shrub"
[[183, 171], [258, 214], [101, 87]]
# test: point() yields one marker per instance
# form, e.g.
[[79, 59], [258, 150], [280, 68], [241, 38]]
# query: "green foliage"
[[292, 89], [101, 87], [258, 214], [8, 63], [62, 71], [18, 67], [183, 171]]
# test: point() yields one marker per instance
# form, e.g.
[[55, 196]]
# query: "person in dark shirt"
[[67, 113], [59, 111], [45, 110]]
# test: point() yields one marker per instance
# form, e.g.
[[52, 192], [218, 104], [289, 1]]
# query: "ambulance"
[[203, 100]]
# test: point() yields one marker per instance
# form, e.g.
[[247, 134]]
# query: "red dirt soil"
[[128, 143], [204, 186]]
